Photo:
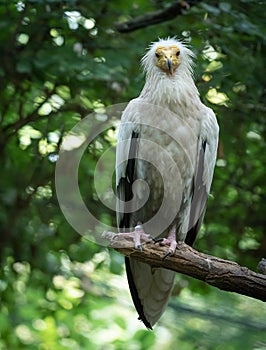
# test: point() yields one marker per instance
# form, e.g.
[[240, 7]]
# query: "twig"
[[154, 17]]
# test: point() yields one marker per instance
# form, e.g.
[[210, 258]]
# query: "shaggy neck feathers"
[[162, 90]]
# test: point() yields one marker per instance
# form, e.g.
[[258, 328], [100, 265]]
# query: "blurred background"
[[61, 61]]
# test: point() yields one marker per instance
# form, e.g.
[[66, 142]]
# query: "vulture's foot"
[[169, 241], [138, 236]]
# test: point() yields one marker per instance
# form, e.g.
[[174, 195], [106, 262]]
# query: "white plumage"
[[167, 143]]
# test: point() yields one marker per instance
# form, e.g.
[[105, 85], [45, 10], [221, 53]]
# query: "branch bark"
[[223, 274], [155, 17]]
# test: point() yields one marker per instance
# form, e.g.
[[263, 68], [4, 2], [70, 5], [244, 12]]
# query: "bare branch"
[[223, 274], [155, 17]]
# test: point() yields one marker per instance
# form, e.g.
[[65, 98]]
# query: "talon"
[[139, 247], [168, 253]]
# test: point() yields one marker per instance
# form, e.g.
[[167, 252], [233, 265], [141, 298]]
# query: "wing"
[[126, 154], [207, 151], [150, 287]]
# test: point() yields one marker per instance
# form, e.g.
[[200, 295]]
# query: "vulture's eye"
[[178, 53], [157, 54]]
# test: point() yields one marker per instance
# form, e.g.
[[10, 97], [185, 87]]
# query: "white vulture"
[[166, 153]]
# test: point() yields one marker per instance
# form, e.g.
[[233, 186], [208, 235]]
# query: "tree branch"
[[155, 17], [223, 274]]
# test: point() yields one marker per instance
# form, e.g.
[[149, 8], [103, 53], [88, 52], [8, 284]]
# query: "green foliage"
[[60, 61]]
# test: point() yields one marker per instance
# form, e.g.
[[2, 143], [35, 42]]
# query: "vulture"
[[165, 158]]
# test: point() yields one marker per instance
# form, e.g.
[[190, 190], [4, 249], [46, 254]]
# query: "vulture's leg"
[[170, 241], [138, 236]]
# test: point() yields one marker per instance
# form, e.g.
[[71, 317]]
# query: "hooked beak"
[[170, 66]]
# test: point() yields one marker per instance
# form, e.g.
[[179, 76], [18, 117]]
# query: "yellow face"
[[168, 58]]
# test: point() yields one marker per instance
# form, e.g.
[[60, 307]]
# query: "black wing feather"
[[125, 183], [199, 199]]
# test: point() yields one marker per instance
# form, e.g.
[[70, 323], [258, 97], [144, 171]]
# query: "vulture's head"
[[167, 56]]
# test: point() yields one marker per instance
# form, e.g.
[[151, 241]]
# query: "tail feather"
[[134, 294], [150, 289]]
